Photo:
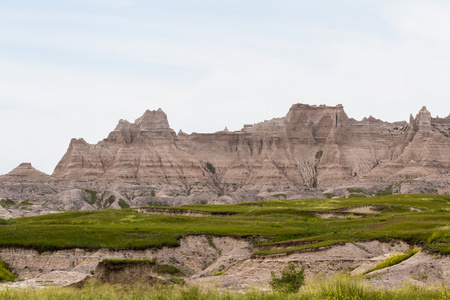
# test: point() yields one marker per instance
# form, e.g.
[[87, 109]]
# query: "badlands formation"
[[314, 151]]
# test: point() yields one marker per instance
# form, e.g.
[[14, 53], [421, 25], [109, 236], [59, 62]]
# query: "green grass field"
[[294, 223]]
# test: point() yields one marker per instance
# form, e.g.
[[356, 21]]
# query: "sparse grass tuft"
[[394, 260]]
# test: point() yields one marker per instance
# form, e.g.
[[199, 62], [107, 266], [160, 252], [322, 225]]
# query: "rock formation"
[[25, 171], [312, 147], [314, 151]]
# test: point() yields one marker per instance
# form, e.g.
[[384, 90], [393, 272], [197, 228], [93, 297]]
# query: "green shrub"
[[5, 273], [211, 168], [290, 281]]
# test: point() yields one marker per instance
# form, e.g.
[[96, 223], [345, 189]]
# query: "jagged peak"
[[153, 119], [423, 114], [181, 132], [79, 141]]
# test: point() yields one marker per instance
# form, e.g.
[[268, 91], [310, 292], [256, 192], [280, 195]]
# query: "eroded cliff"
[[312, 152], [311, 147]]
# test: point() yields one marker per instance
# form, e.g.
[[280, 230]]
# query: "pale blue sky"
[[73, 68]]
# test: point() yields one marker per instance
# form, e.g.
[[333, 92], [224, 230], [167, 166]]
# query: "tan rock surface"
[[25, 171], [313, 146], [201, 259]]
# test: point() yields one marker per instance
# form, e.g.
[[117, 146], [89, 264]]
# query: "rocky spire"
[[423, 119]]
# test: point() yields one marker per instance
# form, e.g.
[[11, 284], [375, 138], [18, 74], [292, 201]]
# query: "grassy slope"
[[277, 221]]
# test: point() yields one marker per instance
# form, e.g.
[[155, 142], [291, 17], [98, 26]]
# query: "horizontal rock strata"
[[311, 147]]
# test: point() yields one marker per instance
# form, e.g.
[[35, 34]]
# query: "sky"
[[74, 68]]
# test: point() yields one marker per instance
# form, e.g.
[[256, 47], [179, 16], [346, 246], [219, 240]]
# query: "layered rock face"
[[25, 171], [311, 147]]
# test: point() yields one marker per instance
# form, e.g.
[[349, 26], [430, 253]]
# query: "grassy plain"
[[421, 220], [339, 288]]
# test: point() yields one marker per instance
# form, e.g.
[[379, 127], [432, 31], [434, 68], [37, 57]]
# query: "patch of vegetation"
[[439, 236], [284, 225], [329, 195], [157, 203], [175, 194], [219, 273], [25, 203], [211, 168], [355, 190], [5, 272], [7, 202], [319, 155], [356, 196], [385, 192], [91, 197], [177, 280], [394, 260], [123, 204], [164, 269], [295, 249], [290, 280], [4, 221], [110, 200], [280, 196]]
